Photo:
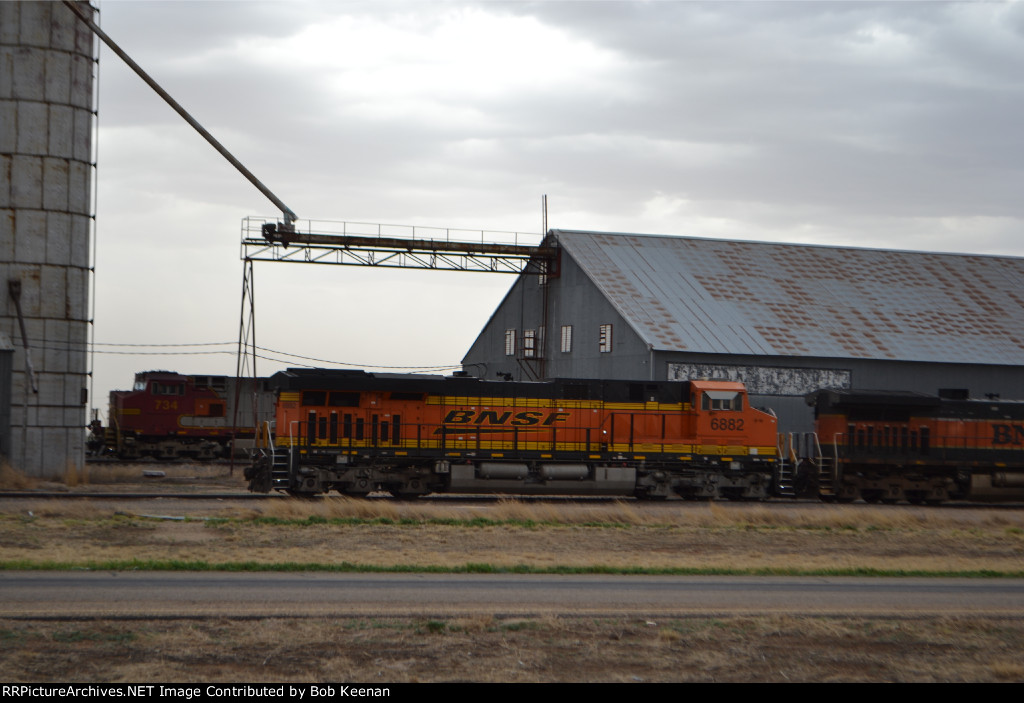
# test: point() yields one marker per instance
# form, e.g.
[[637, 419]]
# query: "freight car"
[[169, 415], [895, 445], [356, 432]]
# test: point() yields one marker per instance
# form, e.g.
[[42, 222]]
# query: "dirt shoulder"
[[485, 649]]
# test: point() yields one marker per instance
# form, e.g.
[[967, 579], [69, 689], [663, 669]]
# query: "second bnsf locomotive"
[[897, 445], [356, 432]]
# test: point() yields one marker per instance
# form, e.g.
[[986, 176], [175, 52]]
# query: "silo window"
[[605, 338], [510, 342]]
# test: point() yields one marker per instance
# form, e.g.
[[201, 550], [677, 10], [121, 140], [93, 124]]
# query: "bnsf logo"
[[1007, 434], [491, 417]]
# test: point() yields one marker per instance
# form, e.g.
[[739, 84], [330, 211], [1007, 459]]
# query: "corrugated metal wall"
[[46, 172]]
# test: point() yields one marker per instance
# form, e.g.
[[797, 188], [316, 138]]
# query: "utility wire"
[[49, 345]]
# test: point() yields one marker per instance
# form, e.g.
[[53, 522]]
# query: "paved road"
[[142, 594]]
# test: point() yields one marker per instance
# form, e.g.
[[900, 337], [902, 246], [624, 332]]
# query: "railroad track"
[[469, 500]]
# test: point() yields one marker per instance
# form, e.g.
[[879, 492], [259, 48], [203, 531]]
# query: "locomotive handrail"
[[270, 442]]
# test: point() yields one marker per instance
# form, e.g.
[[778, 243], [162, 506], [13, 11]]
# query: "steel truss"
[[384, 246], [396, 246]]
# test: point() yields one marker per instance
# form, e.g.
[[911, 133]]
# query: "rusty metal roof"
[[736, 297]]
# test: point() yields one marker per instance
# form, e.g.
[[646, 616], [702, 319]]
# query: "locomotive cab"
[[725, 418]]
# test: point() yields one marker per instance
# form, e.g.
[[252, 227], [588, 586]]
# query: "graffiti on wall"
[[765, 380]]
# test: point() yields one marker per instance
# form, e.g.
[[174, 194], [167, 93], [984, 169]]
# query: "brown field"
[[486, 648]]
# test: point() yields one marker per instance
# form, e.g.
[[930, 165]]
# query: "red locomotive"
[[169, 415], [358, 432]]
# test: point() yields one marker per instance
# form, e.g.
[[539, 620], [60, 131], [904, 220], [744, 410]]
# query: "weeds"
[[12, 479]]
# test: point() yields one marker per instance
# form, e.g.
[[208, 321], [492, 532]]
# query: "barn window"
[[566, 339], [605, 338]]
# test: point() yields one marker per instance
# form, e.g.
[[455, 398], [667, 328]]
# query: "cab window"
[[721, 400], [158, 388]]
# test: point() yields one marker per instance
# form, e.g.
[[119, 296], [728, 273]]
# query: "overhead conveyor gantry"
[[397, 246]]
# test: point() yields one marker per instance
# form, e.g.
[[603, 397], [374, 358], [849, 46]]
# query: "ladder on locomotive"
[[785, 467], [828, 468], [280, 470], [796, 449], [280, 458]]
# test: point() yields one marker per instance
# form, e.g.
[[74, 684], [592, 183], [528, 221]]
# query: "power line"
[[35, 343]]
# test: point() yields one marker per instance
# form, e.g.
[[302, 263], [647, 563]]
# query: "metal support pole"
[[286, 212]]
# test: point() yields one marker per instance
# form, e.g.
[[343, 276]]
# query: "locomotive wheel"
[[871, 496]]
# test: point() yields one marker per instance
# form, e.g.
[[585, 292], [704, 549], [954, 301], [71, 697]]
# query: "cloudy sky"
[[891, 124]]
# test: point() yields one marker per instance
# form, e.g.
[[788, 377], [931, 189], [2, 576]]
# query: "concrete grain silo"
[[46, 174]]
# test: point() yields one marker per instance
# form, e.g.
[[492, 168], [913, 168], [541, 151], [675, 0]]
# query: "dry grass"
[[116, 473], [622, 513], [73, 476], [14, 480], [491, 649], [810, 538]]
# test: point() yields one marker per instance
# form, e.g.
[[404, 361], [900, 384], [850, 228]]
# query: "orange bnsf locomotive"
[[897, 445], [357, 432]]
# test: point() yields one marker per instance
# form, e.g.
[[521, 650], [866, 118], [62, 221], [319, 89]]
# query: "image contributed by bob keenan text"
[[198, 692]]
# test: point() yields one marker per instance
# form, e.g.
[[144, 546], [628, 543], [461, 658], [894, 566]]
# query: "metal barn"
[[785, 319]]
